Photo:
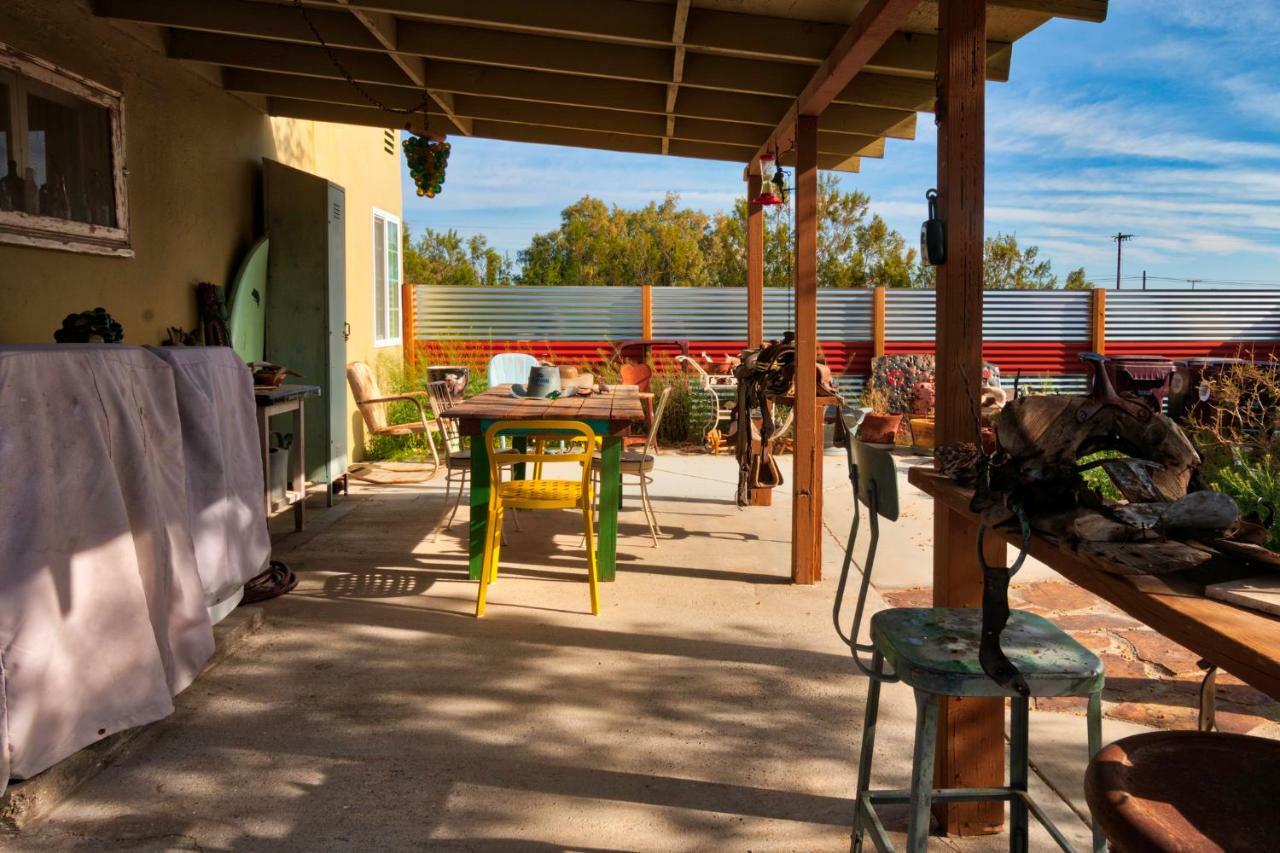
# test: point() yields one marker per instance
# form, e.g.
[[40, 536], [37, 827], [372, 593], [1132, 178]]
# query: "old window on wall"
[[61, 159], [386, 279]]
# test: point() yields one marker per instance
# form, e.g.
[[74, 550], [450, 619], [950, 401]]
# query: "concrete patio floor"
[[709, 707]]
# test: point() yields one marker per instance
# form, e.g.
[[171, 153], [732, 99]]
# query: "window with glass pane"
[[386, 279], [393, 278], [61, 181], [379, 278]]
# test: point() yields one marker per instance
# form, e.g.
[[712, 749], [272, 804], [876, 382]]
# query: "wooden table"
[[278, 401], [609, 416], [1244, 642]]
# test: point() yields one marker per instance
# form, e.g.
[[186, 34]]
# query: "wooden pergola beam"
[[245, 55], [628, 21], [755, 264], [384, 28], [366, 116], [970, 730], [806, 475], [904, 54], [875, 24], [691, 128], [680, 19]]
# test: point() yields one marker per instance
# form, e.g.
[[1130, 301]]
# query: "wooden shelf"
[[1244, 642]]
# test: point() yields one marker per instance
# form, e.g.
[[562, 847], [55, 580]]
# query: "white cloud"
[[1050, 127]]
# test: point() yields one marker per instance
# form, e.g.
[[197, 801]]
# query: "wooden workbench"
[[1244, 642]]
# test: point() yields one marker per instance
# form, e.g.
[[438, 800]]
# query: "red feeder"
[[770, 190]]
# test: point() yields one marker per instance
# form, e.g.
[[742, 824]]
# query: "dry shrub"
[[1235, 431]]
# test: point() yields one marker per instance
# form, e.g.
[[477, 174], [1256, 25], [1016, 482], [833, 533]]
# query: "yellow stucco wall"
[[194, 154]]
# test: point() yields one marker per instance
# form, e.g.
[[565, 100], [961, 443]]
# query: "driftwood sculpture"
[[1041, 440], [1035, 476]]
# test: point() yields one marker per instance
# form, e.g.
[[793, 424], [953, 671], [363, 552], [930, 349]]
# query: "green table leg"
[[610, 499], [479, 503]]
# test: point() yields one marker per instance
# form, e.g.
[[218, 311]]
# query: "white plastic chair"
[[508, 368]]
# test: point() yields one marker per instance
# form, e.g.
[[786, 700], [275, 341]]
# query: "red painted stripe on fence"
[[1196, 349], [853, 357]]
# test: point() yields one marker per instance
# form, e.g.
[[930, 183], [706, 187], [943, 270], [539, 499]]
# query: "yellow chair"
[[537, 493]]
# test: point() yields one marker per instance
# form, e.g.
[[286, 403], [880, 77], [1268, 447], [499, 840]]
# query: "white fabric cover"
[[102, 616], [224, 466]]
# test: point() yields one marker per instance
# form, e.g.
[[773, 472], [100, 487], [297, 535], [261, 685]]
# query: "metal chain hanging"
[[420, 107], [428, 158]]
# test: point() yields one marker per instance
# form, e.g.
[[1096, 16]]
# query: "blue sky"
[[1164, 122]]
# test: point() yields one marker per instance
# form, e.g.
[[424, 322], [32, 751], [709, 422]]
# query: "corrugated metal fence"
[[1037, 333]]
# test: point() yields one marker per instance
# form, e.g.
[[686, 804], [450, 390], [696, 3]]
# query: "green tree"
[[1077, 281], [443, 257], [1006, 266]]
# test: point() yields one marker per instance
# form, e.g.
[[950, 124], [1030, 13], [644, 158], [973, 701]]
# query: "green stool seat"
[[936, 649]]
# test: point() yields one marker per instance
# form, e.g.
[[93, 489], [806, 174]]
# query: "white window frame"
[[26, 229], [393, 337]]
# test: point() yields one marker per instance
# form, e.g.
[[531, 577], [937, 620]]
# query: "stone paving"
[[1150, 679]]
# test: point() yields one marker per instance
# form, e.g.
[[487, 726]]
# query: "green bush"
[[1097, 478], [1254, 483]]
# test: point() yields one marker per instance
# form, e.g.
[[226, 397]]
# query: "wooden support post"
[[646, 311], [755, 265], [970, 731], [407, 323], [806, 477], [877, 321], [1098, 320]]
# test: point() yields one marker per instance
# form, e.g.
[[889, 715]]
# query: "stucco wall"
[[194, 155]]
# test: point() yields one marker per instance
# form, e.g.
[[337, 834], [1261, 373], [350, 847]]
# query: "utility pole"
[[1121, 238], [1194, 281], [1144, 279]]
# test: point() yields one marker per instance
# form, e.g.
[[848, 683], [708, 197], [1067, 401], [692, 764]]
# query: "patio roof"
[[712, 79]]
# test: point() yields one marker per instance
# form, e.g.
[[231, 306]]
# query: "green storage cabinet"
[[305, 218]]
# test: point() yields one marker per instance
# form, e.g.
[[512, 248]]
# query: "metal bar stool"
[[934, 650]]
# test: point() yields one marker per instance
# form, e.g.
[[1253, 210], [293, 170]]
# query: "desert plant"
[[1235, 431], [877, 399], [1254, 483]]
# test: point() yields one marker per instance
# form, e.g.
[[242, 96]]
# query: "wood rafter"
[[876, 23], [628, 21], [680, 22], [383, 27], [640, 73], [848, 130], [905, 54]]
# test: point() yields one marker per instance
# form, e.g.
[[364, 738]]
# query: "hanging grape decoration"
[[428, 158]]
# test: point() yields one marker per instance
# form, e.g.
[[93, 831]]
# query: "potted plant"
[[879, 425]]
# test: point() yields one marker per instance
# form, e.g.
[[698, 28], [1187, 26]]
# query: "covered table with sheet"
[[132, 501]]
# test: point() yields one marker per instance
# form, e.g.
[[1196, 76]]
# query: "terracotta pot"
[[922, 433], [879, 429]]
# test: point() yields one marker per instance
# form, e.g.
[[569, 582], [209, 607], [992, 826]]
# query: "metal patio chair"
[[934, 650], [721, 394], [373, 406], [640, 464], [509, 368], [576, 494], [457, 459]]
